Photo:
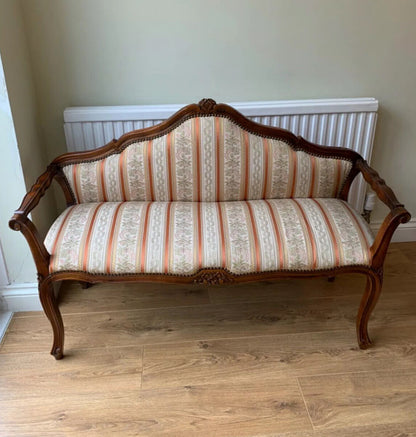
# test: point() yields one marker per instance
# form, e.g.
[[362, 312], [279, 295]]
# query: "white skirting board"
[[20, 297], [5, 318], [404, 233]]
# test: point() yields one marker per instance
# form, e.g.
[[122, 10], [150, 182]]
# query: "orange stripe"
[[144, 238], [266, 165], [247, 172], [277, 233], [74, 175], [255, 236], [198, 164], [111, 239], [88, 239], [121, 167], [55, 243], [294, 155], [313, 162], [167, 238], [331, 231], [222, 236], [102, 168], [169, 144], [217, 139], [149, 163], [199, 235], [338, 178], [311, 238]]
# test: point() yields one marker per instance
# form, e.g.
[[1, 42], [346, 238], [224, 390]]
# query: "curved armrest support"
[[398, 213], [21, 222], [385, 233]]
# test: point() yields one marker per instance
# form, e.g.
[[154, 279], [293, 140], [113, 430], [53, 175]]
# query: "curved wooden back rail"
[[21, 222]]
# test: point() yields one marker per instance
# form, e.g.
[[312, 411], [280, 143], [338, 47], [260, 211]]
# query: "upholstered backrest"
[[208, 158]]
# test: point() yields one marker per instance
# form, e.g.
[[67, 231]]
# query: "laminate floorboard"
[[279, 356], [267, 359], [175, 324], [352, 399]]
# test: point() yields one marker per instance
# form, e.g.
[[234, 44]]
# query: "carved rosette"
[[213, 277], [207, 105]]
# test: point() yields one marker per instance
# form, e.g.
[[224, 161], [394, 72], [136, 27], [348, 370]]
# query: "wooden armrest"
[[398, 213], [34, 195], [383, 191], [21, 222]]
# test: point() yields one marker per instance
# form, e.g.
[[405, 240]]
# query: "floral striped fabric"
[[207, 159], [183, 237]]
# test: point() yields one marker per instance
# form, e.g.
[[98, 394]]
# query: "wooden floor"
[[269, 359]]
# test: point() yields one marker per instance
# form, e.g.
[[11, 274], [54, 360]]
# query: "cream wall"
[[102, 52], [17, 257], [20, 142], [20, 85]]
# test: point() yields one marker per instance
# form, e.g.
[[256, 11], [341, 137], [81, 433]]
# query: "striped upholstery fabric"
[[207, 159], [183, 237]]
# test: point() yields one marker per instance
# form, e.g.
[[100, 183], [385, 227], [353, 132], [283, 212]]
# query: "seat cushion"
[[182, 237]]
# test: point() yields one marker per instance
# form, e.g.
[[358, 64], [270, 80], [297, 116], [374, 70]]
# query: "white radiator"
[[333, 122]]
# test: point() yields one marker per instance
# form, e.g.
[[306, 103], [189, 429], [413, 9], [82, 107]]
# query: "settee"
[[210, 197]]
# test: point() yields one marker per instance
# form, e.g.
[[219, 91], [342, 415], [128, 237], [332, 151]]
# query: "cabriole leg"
[[368, 302], [50, 306]]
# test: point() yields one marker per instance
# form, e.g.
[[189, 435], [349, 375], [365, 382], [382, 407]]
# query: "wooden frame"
[[206, 107]]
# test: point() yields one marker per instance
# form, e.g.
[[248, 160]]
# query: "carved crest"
[[207, 105], [213, 277]]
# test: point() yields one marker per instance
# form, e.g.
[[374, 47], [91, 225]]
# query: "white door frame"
[[4, 277]]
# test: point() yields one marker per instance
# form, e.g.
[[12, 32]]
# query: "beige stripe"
[[335, 226], [167, 246], [291, 185], [149, 170], [102, 178], [220, 159], [140, 235], [363, 239], [333, 232], [225, 239], [199, 235], [123, 173], [246, 159], [311, 240], [58, 238], [211, 234], [253, 236], [112, 240], [97, 172], [173, 166], [337, 178], [168, 164], [267, 170], [195, 163], [144, 238], [278, 230], [77, 187], [85, 247], [313, 176]]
